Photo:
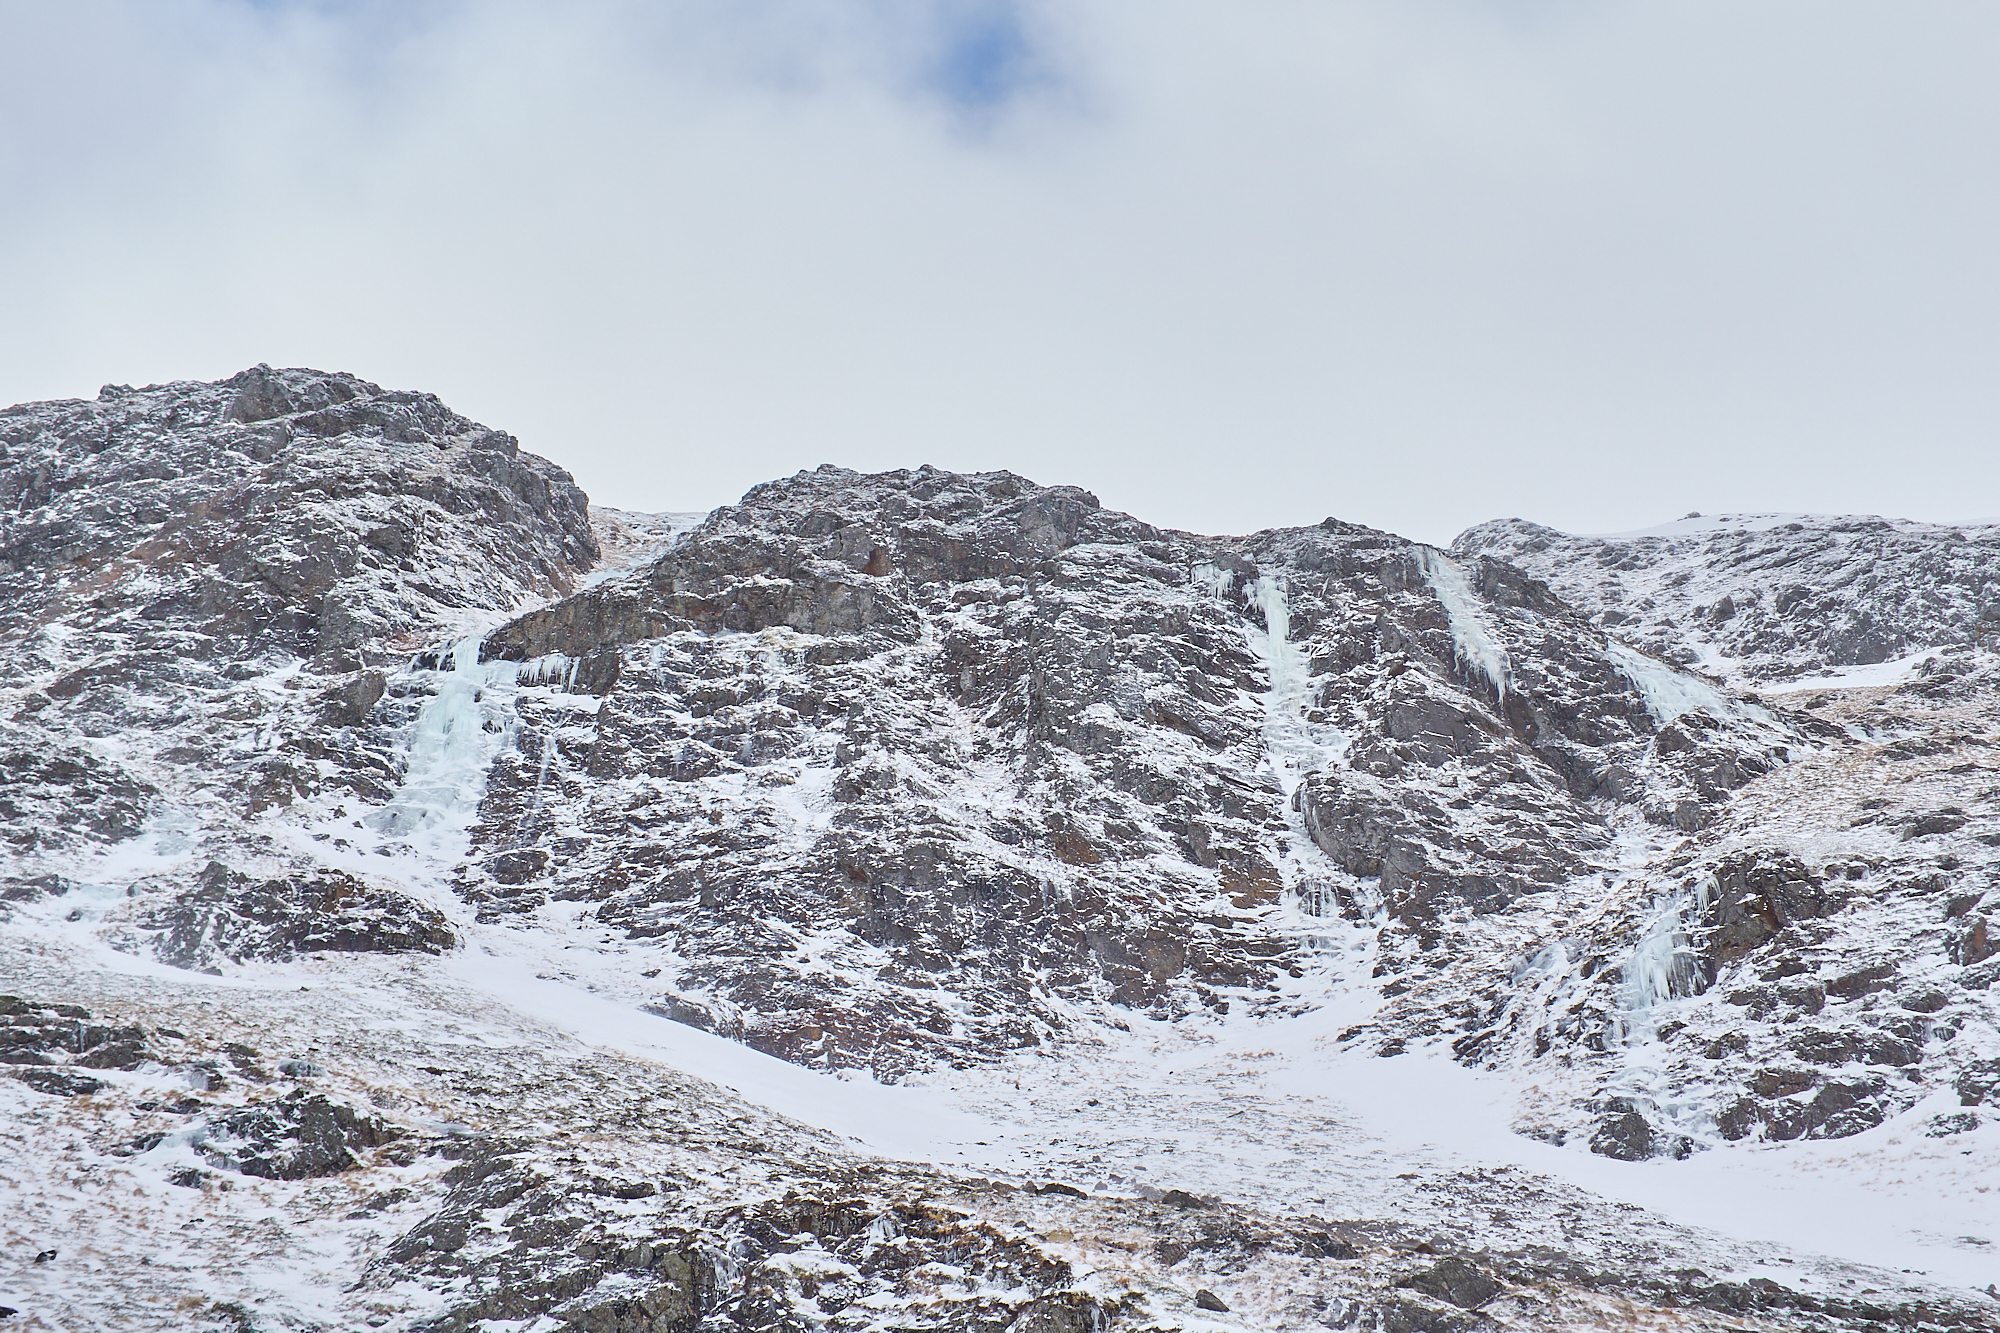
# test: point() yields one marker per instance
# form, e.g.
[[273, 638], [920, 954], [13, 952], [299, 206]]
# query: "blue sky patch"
[[984, 57]]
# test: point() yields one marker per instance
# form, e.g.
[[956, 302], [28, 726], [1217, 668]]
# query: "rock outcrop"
[[200, 586]]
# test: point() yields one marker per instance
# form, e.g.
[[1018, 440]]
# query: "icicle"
[[1661, 968], [1213, 579]]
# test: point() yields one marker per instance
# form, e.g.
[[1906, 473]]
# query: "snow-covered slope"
[[933, 900], [1818, 958], [1758, 598]]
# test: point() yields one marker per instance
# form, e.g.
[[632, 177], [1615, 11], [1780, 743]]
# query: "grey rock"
[[60, 1082], [1110, 668], [349, 703], [1785, 600], [40, 1034], [1758, 894], [228, 914], [294, 1139], [1455, 1280]]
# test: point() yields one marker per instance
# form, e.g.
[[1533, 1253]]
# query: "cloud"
[[1416, 264]]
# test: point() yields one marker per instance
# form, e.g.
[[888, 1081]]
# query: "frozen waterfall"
[[1475, 645], [450, 746]]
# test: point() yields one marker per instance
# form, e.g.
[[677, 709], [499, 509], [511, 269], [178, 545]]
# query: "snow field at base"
[[1340, 1128], [1273, 1114]]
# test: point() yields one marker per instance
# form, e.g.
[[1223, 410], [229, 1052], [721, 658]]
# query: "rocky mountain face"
[[863, 749], [1815, 960], [200, 588], [323, 695], [1771, 597]]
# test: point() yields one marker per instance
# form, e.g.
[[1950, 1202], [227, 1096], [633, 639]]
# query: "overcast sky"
[[1229, 264]]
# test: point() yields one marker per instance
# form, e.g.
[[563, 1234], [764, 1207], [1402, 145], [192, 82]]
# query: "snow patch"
[[1874, 675], [1695, 523]]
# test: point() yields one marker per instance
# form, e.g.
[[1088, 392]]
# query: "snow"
[[1700, 523], [1342, 1123], [1324, 1122], [1759, 598], [1278, 1110], [628, 540], [1670, 693], [509, 970], [1874, 676]]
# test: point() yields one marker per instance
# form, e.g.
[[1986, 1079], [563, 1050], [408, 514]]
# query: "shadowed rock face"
[[863, 746], [39, 1037], [230, 916], [297, 1138]]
